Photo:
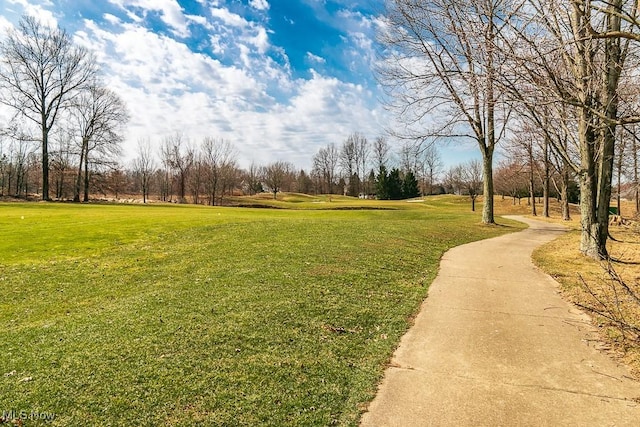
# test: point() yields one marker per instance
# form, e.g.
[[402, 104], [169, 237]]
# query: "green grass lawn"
[[183, 315]]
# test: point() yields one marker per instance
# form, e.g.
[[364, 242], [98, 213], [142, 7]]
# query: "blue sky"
[[278, 78]]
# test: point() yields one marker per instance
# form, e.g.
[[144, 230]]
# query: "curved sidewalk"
[[495, 345]]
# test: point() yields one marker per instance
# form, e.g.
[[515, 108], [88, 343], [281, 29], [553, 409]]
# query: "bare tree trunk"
[[78, 186], [591, 243], [614, 59], [545, 179], [588, 193], [564, 191], [487, 171], [618, 190], [532, 193], [45, 160], [86, 174], [636, 173]]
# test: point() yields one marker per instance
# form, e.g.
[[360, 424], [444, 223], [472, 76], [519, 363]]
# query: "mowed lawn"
[[182, 315]]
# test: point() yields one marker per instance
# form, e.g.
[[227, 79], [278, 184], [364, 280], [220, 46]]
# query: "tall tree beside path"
[[41, 70], [576, 54], [441, 60]]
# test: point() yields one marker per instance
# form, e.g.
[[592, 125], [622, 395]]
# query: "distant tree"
[[230, 176], [382, 184], [342, 186], [117, 181], [144, 167], [471, 174], [353, 189], [325, 164], [304, 183], [197, 176], [431, 167], [219, 156], [362, 151], [274, 176], [410, 186], [370, 183], [510, 179], [17, 163], [347, 157], [179, 157], [394, 185], [381, 152], [61, 163], [41, 70], [253, 179], [409, 157]]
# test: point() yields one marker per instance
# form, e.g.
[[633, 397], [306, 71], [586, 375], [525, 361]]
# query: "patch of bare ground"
[[609, 290]]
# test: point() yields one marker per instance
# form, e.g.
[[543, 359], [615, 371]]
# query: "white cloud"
[[112, 19], [259, 4], [5, 25], [248, 32], [201, 20], [260, 40], [229, 18], [170, 12], [315, 58], [38, 11]]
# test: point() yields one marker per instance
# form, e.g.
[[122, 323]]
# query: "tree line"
[[179, 170]]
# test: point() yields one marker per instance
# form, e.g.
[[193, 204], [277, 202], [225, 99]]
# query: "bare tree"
[[178, 156], [99, 115], [431, 166], [381, 152], [62, 161], [40, 72], [442, 60], [197, 176], [362, 150], [219, 156], [22, 149], [408, 156], [275, 174], [144, 165], [470, 175], [253, 179], [510, 179], [325, 163], [347, 156]]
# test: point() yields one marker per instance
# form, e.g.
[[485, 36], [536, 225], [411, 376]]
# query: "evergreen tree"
[[394, 185], [410, 187], [342, 187], [382, 185], [354, 185]]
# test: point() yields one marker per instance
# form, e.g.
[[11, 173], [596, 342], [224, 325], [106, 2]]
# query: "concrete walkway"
[[495, 345]]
